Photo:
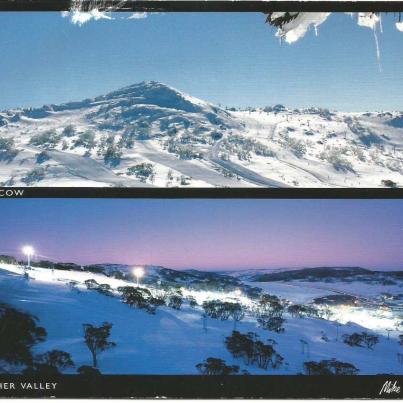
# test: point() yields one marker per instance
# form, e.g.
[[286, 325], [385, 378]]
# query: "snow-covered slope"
[[172, 341], [150, 134]]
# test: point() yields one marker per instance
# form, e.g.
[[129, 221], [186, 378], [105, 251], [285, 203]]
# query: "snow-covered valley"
[[174, 341], [150, 134]]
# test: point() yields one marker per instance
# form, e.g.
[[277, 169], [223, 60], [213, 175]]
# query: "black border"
[[209, 387], [211, 5], [200, 193], [201, 387]]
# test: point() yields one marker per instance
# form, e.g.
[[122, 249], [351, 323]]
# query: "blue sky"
[[229, 58], [208, 234]]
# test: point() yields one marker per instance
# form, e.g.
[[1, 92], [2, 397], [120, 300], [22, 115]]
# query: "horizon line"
[[211, 269], [219, 105]]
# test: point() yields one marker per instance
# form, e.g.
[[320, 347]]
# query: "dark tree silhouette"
[[175, 301], [361, 339], [49, 364], [18, 334], [252, 350], [329, 367], [274, 324], [91, 284], [217, 366], [56, 358], [237, 313], [137, 297], [96, 339]]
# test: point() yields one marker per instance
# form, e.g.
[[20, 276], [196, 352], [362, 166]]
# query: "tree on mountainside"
[[7, 149], [91, 284], [273, 324], [237, 313], [329, 367], [217, 366], [175, 301], [270, 305], [253, 351], [86, 140], [361, 339], [69, 131]]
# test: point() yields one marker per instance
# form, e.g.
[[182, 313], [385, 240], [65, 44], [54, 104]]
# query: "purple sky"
[[208, 234]]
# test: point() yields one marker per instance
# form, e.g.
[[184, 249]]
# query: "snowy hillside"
[[174, 341], [150, 134]]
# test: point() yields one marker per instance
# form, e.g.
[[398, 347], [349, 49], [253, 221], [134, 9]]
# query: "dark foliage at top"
[[282, 20]]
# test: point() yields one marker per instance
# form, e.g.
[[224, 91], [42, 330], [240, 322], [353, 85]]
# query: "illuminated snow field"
[[175, 341]]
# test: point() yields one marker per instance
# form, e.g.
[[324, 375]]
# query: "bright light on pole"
[[28, 251], [138, 272]]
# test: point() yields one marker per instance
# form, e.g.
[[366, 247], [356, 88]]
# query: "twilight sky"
[[232, 59], [208, 234]]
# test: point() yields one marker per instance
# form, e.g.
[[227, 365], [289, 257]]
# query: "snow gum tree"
[[49, 364], [18, 334], [329, 367], [253, 351], [361, 339], [96, 339], [217, 366]]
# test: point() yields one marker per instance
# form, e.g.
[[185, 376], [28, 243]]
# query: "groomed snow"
[[170, 342], [275, 147]]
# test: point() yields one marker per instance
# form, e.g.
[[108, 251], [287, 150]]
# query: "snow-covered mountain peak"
[[158, 94], [153, 134], [151, 102]]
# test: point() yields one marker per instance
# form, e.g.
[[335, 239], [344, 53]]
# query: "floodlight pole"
[[28, 251], [204, 317], [337, 330], [138, 272]]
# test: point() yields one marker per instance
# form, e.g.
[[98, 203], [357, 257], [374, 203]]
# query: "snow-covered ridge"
[[150, 134]]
